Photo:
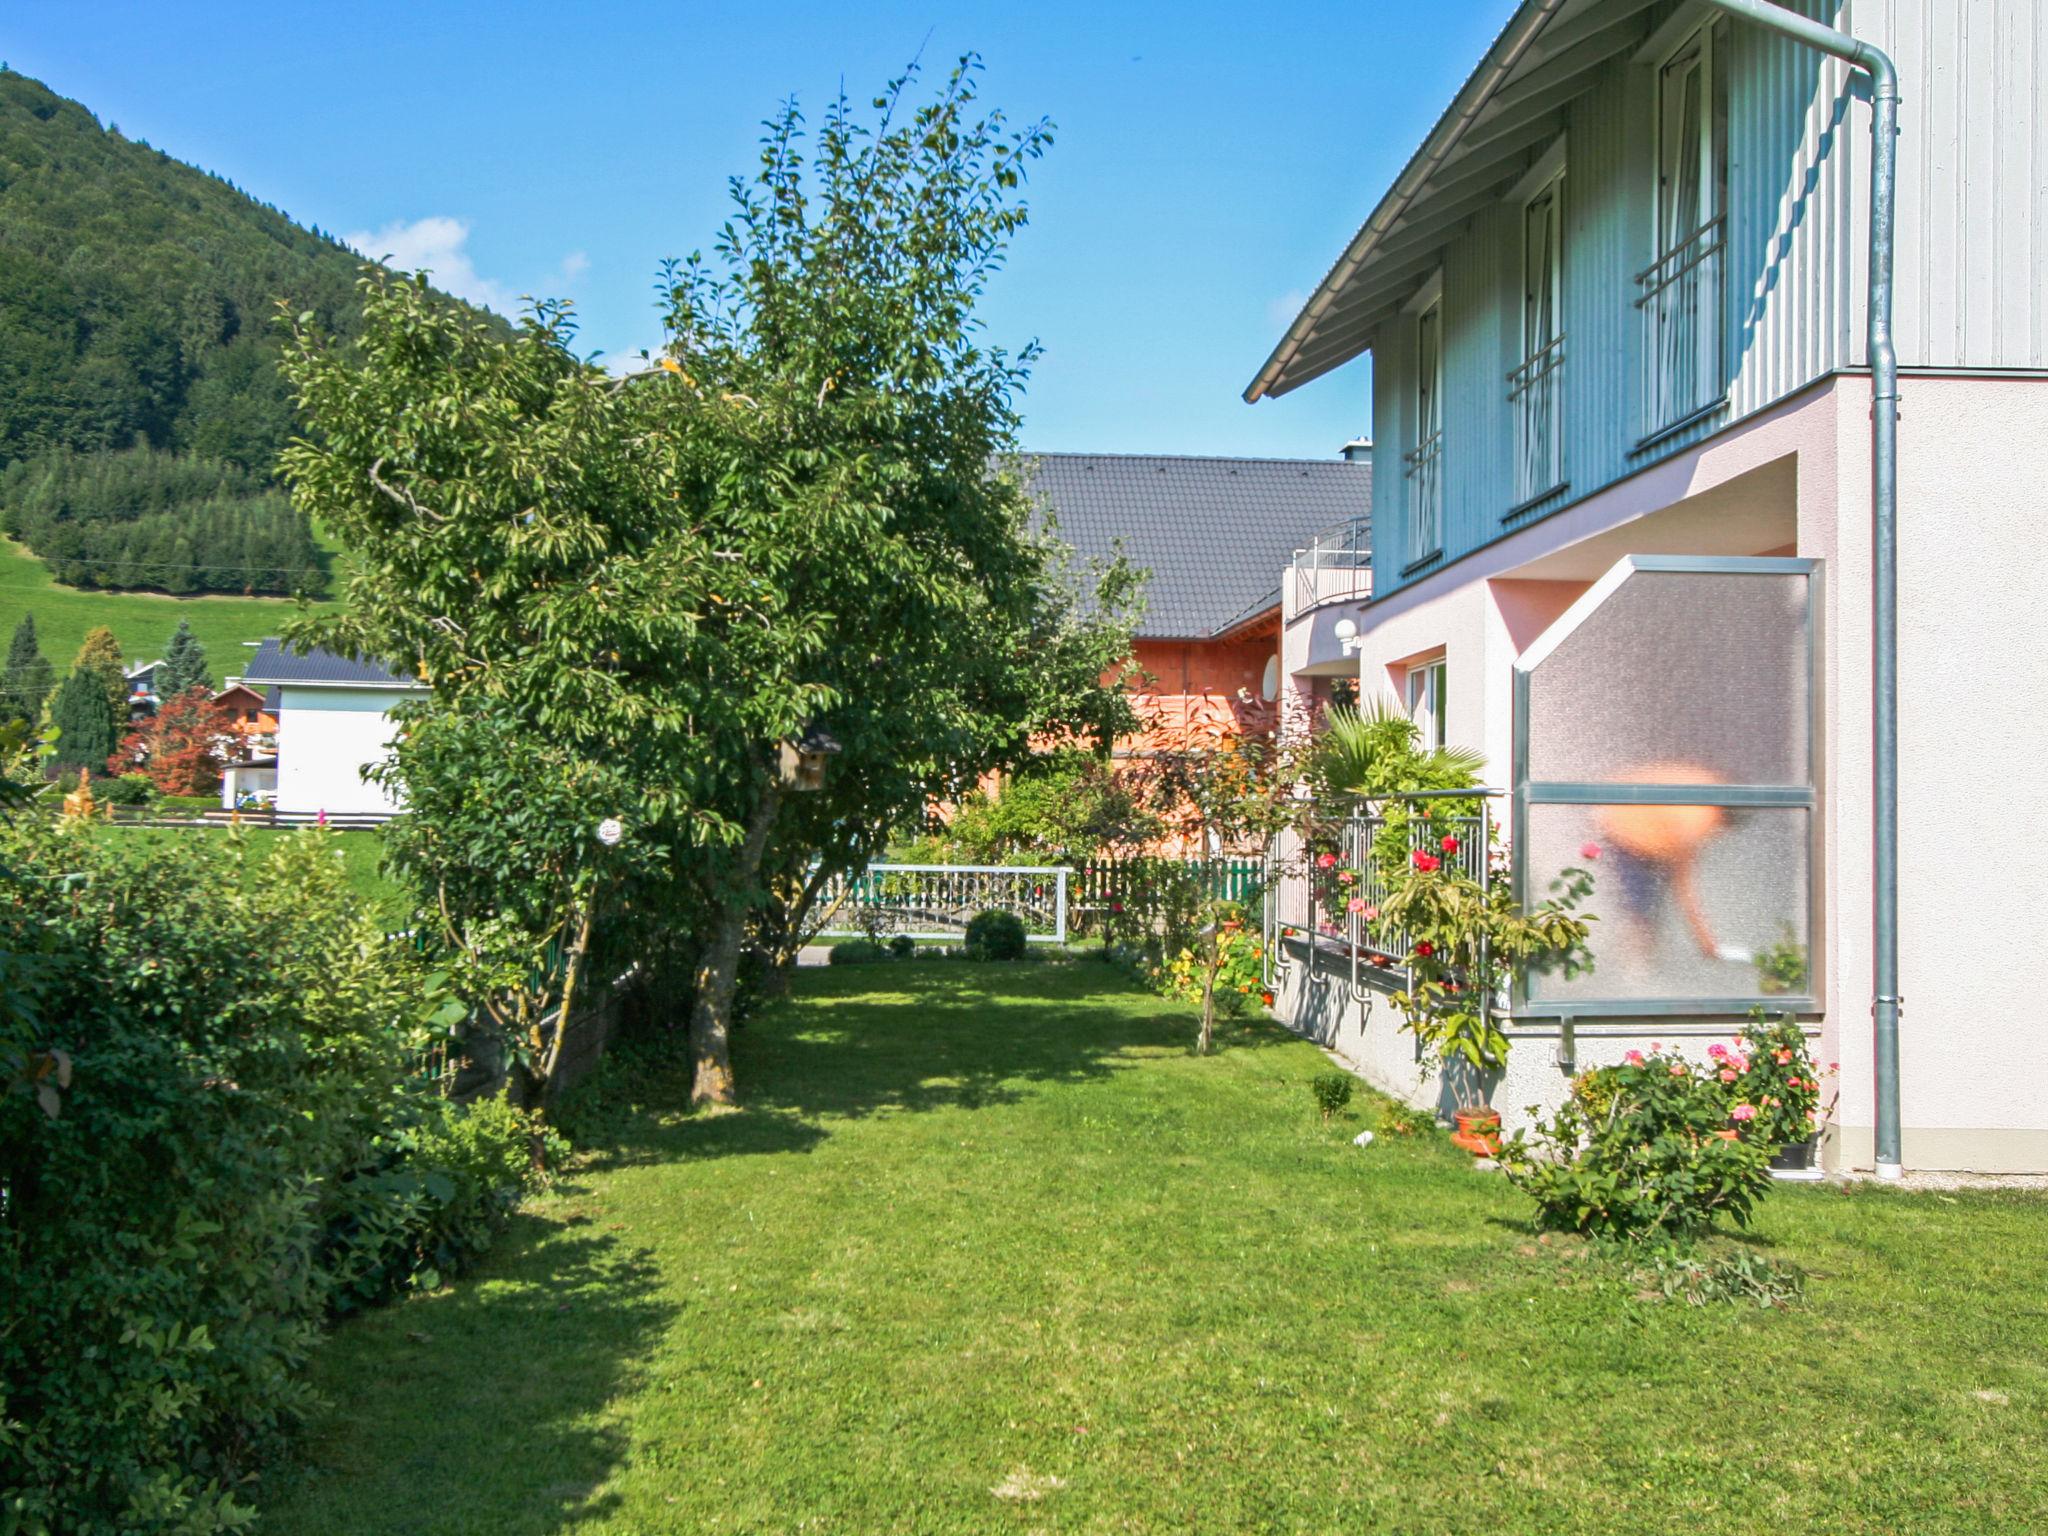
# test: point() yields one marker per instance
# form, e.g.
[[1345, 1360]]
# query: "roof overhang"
[[1502, 119]]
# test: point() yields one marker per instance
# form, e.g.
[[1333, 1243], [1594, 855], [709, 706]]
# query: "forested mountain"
[[137, 300]]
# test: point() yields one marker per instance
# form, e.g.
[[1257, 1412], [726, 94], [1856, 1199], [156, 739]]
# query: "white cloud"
[[436, 243]]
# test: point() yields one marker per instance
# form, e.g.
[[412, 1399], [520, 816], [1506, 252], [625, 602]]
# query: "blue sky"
[[1210, 162]]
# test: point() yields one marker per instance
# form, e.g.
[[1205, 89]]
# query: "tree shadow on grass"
[[477, 1408], [910, 1038]]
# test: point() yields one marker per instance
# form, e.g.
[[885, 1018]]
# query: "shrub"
[[857, 952], [1240, 977], [903, 947], [994, 935], [128, 789], [240, 1044], [1332, 1091], [1652, 1148]]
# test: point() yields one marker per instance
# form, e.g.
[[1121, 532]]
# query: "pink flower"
[[1425, 861], [1742, 1112], [1784, 1058], [1634, 1058], [1325, 860], [1450, 845], [1717, 1050], [1372, 914], [1345, 876], [1678, 1069], [1590, 852], [1356, 904], [1774, 1101], [1739, 1061], [1727, 1076]]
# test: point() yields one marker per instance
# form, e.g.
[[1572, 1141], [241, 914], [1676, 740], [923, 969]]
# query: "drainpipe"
[[1884, 505]]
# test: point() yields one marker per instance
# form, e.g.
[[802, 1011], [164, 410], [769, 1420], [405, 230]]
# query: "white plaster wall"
[[325, 738]]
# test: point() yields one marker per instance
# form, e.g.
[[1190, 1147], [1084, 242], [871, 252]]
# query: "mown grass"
[[142, 621], [361, 854], [988, 1250]]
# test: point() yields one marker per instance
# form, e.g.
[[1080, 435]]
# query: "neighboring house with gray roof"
[[1215, 537], [333, 721]]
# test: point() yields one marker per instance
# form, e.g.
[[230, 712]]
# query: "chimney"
[[1357, 451]]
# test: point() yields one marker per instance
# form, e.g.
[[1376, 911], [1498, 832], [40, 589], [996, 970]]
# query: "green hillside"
[[141, 621]]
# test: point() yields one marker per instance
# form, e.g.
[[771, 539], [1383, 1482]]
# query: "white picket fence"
[[936, 901]]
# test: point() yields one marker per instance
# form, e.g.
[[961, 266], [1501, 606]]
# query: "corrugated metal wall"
[[1973, 256]]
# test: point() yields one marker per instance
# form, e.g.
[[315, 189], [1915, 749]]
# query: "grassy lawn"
[[988, 1250], [142, 621], [361, 854]]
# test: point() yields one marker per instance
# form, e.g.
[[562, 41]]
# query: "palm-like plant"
[[1375, 751]]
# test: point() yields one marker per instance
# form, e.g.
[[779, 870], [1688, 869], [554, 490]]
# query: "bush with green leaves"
[[858, 952], [903, 947], [995, 935], [1654, 1148], [128, 789], [237, 1092], [1332, 1091]]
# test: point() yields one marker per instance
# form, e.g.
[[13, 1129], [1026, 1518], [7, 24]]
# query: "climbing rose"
[[1356, 904], [1426, 862], [1372, 914], [1742, 1112], [1634, 1058], [1717, 1050], [1425, 948], [1325, 860], [1450, 845], [1727, 1076]]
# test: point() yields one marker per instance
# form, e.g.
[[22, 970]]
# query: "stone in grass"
[[1362, 1139], [1024, 1485]]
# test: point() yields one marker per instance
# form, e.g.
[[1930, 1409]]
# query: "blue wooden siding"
[[1973, 260]]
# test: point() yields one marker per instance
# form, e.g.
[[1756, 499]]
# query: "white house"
[[333, 721], [1629, 371]]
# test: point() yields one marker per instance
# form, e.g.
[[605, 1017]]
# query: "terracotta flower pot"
[[1478, 1132]]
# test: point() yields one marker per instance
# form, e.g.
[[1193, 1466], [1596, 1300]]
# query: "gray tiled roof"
[[1216, 534], [273, 665]]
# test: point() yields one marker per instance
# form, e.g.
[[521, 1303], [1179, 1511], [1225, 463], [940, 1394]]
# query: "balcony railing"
[[1423, 465], [1681, 306], [1335, 565], [1536, 392]]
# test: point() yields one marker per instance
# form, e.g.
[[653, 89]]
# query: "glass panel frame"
[[1733, 797]]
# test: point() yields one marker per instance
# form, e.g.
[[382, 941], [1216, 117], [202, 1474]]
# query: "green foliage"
[[239, 1044], [1239, 968], [184, 664], [1332, 1091], [1742, 1277], [1064, 806], [1376, 752], [858, 952], [1781, 967], [84, 722], [128, 789], [146, 518], [996, 935], [1654, 1149], [100, 657], [29, 678], [903, 947]]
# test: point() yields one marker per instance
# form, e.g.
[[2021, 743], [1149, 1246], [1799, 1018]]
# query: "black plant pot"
[[1797, 1159]]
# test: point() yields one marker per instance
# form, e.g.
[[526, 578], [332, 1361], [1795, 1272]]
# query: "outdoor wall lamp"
[[1346, 631], [800, 764]]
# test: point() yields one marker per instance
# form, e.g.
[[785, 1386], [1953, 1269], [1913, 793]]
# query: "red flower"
[[1450, 845], [1424, 947], [1116, 906], [1325, 860], [1426, 861], [1266, 998], [1590, 851]]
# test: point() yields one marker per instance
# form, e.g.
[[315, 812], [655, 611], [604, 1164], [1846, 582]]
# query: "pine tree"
[[85, 722], [29, 676], [100, 657], [184, 664]]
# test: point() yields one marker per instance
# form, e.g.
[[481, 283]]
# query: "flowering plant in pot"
[[1774, 1070], [1465, 940]]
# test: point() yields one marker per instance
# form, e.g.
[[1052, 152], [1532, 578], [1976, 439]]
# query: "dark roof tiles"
[[273, 665]]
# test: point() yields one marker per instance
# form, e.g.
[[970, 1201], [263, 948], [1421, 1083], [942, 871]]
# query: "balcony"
[[1334, 566], [1535, 394], [1680, 301], [1423, 467]]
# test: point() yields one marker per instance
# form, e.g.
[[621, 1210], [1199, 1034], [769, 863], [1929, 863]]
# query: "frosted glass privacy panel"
[[1692, 901], [1678, 677]]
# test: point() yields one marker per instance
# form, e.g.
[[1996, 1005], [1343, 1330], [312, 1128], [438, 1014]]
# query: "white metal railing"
[[937, 901], [1423, 465], [1335, 564], [1681, 307], [1535, 391]]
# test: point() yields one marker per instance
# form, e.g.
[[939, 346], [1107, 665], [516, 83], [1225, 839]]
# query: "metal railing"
[[1535, 391], [1326, 914], [1423, 466], [1335, 564], [937, 901], [1681, 307]]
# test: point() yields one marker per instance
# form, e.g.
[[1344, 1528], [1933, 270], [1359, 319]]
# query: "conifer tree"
[[184, 664], [100, 657], [29, 676], [85, 722]]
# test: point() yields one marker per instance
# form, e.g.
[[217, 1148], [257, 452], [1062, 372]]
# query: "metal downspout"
[[1884, 575]]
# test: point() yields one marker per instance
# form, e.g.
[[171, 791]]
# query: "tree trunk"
[[718, 968], [1209, 966]]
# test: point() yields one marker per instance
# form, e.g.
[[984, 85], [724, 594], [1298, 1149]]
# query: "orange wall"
[[1199, 692]]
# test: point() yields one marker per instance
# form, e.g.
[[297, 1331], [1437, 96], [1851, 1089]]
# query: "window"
[[1428, 698], [1423, 462], [1681, 288], [1534, 387]]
